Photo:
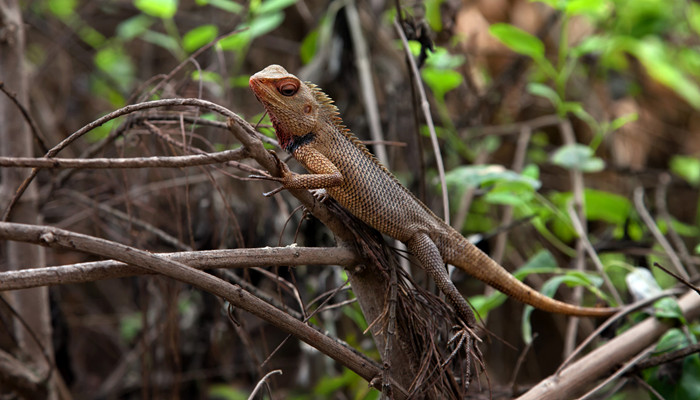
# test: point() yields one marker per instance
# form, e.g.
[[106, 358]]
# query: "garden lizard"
[[308, 126]]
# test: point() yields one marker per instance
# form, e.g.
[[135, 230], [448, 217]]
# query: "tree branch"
[[132, 162], [58, 238], [236, 258], [580, 375]]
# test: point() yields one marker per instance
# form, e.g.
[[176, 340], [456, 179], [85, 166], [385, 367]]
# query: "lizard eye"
[[287, 89]]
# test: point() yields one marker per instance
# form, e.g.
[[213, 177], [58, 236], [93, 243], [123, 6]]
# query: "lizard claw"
[[265, 178], [269, 178], [274, 191], [320, 194]]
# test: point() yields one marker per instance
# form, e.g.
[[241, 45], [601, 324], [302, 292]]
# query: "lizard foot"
[[320, 194], [269, 178]]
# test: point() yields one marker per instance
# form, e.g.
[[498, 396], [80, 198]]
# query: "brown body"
[[308, 126]]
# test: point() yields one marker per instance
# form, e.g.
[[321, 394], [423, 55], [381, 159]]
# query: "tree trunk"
[[16, 140]]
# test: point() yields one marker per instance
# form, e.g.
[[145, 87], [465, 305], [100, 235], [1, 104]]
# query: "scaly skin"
[[308, 127]]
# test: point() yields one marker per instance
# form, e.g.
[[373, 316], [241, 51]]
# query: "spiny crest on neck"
[[327, 104]]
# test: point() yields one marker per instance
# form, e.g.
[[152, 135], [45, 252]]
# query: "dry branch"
[[133, 162], [58, 238], [575, 379], [236, 258]]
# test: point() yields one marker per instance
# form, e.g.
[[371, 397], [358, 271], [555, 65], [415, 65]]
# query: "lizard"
[[308, 126]]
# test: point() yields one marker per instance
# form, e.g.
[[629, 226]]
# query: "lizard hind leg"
[[423, 248]]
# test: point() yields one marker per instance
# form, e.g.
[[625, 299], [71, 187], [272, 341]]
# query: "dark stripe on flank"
[[298, 141]]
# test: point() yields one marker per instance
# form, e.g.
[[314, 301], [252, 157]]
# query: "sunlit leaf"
[[668, 308], [226, 5], [265, 23], [62, 8], [134, 26], [157, 8], [226, 392], [307, 50], [541, 90], [272, 6], [619, 122], [518, 40], [198, 37], [477, 175], [653, 55], [441, 81], [687, 168], [577, 157]]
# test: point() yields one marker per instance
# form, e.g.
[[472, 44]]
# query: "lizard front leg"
[[324, 173], [423, 248]]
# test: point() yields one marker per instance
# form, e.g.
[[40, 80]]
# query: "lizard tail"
[[467, 257]]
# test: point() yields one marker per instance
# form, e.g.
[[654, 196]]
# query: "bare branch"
[[132, 162], [580, 375], [58, 238], [236, 258]]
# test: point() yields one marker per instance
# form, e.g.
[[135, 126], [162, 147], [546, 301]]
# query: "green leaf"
[[130, 325], [432, 14], [62, 8], [477, 175], [265, 23], [307, 50], [273, 6], [577, 157], [668, 308], [512, 193], [653, 54], [694, 17], [157, 8], [160, 39], [541, 90], [134, 26], [441, 58], [198, 37], [606, 206], [687, 168], [483, 304], [226, 5], [225, 392], [518, 40], [441, 81], [619, 122], [542, 262], [115, 62], [207, 76], [592, 8]]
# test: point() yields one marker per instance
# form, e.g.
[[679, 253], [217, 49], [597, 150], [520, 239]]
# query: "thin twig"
[[578, 187], [651, 225], [263, 380], [364, 71], [574, 379], [38, 136], [428, 121], [578, 227], [518, 163], [662, 209], [630, 364], [161, 234], [116, 114], [131, 162], [612, 320]]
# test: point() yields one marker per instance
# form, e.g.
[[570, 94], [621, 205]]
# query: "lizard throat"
[[294, 142]]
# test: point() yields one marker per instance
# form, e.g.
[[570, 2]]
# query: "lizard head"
[[290, 102]]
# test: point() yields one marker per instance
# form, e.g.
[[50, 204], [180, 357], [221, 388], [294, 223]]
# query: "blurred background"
[[536, 105]]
